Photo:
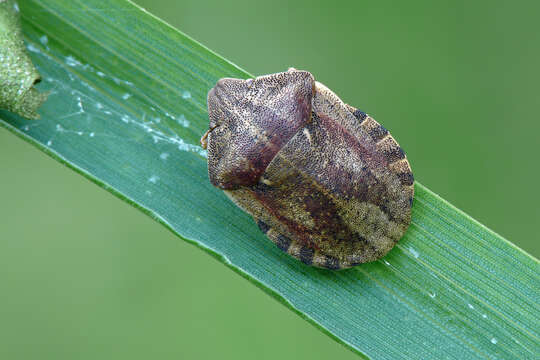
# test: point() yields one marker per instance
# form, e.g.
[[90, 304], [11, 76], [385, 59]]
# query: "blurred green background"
[[85, 276]]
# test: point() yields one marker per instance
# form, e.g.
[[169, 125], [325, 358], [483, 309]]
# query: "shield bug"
[[324, 181]]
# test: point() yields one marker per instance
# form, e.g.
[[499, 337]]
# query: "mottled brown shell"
[[323, 180]]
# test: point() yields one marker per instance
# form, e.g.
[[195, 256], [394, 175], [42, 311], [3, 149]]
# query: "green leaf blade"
[[127, 108]]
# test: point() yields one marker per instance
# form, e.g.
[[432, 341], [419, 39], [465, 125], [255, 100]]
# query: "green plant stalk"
[[17, 73], [127, 107]]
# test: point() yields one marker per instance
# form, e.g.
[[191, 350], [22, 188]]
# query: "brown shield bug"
[[324, 181]]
